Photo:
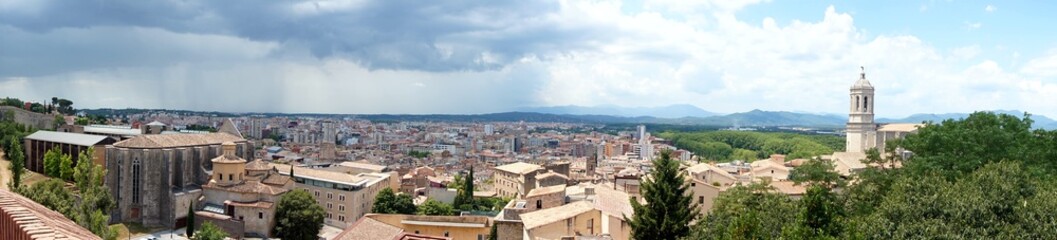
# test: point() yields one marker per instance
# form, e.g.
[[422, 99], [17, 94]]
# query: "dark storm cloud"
[[399, 34]]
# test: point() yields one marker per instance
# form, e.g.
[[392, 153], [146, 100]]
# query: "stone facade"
[[153, 184]]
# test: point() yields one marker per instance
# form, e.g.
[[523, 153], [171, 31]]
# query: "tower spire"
[[862, 72]]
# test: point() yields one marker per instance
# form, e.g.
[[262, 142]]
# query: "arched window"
[[857, 107], [136, 179], [865, 103]]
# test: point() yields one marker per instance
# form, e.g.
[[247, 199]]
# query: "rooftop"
[[67, 138], [369, 229], [518, 167], [327, 176], [178, 140], [38, 221], [900, 127], [112, 130], [546, 190], [361, 165], [549, 215]]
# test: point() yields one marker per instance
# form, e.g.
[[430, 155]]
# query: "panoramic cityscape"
[[527, 120]]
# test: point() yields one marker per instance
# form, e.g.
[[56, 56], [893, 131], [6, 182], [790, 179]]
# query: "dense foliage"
[[210, 231], [464, 192], [988, 176], [388, 202], [435, 208], [723, 146], [87, 206], [666, 214], [298, 216]]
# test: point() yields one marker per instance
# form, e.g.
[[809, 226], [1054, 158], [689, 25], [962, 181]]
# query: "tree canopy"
[[435, 208], [724, 145], [388, 202], [298, 216], [210, 231]]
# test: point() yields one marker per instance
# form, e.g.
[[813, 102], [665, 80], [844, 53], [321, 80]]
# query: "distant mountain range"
[[670, 111], [657, 115]]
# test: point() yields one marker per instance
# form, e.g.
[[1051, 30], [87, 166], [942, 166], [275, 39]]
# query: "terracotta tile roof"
[[257, 204], [360, 165], [38, 221], [178, 140], [276, 179], [369, 229], [258, 165], [249, 187]]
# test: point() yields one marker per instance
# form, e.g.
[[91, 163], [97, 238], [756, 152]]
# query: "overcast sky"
[[397, 56]]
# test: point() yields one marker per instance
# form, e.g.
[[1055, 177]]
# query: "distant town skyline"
[[404, 57]]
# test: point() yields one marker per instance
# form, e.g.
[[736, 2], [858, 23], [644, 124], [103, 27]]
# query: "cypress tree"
[[190, 221], [669, 208]]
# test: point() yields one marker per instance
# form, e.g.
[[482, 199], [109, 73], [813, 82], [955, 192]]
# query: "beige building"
[[515, 179], [242, 198], [596, 211], [345, 197], [450, 227], [773, 168]]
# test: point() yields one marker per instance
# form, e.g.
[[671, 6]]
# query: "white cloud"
[[973, 25], [706, 57], [990, 8]]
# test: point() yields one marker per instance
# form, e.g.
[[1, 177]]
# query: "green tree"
[[66, 167], [464, 197], [52, 162], [816, 172], [753, 211], [436, 208], [94, 196], [212, 232], [18, 164], [744, 155], [388, 202], [298, 216], [669, 209], [190, 230]]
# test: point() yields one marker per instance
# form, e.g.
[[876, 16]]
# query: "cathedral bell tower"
[[861, 129]]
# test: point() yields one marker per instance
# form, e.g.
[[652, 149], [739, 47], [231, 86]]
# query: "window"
[[591, 226], [341, 208], [416, 231], [480, 237], [539, 204], [329, 215], [240, 217], [260, 215], [857, 103], [330, 196], [341, 197], [317, 193], [136, 169], [329, 206], [445, 233], [700, 199], [865, 103], [341, 218], [231, 177], [693, 184]]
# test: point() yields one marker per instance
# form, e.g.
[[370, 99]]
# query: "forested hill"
[[722, 146]]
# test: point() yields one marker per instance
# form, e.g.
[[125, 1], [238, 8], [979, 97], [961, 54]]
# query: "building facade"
[[155, 178], [345, 197]]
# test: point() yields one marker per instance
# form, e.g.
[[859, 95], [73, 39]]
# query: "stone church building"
[[155, 178]]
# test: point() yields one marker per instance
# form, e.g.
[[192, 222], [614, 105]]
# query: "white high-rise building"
[[489, 129]]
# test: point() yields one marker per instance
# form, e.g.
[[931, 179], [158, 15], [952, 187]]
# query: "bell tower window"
[[865, 103]]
